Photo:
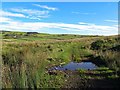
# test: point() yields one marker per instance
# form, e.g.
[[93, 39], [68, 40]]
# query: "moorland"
[[28, 56]]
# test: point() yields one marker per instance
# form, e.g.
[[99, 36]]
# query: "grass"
[[102, 72], [26, 58]]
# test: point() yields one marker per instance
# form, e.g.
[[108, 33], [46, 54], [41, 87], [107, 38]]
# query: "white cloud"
[[31, 13], [84, 23], [4, 20], [84, 13], [114, 21], [40, 26], [5, 13], [27, 13], [46, 7]]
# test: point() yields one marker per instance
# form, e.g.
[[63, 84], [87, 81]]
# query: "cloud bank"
[[12, 25]]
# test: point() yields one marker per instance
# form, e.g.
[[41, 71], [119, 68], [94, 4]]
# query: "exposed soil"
[[74, 80]]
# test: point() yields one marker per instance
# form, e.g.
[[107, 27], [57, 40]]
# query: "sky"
[[84, 18]]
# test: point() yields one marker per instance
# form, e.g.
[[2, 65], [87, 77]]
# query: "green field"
[[28, 56]]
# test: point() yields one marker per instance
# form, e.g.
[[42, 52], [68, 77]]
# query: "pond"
[[75, 66]]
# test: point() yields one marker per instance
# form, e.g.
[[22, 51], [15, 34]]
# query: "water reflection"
[[75, 66]]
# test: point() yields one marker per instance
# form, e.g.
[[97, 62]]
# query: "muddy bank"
[[88, 78]]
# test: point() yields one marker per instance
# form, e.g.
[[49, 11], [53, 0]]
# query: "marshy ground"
[[28, 57]]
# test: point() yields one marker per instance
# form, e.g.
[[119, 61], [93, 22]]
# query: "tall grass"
[[107, 51], [111, 58], [23, 66]]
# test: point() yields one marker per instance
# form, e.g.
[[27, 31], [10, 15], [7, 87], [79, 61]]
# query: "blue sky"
[[85, 18]]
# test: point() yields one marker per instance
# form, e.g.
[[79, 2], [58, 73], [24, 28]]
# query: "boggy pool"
[[75, 66]]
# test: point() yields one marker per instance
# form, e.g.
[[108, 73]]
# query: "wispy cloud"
[[84, 23], [5, 13], [5, 19], [84, 13], [46, 7], [114, 21], [31, 13], [40, 26]]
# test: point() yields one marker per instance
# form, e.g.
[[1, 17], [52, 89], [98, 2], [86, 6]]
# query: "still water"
[[75, 66]]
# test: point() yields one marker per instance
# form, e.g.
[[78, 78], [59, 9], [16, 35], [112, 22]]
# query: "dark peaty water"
[[75, 66]]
